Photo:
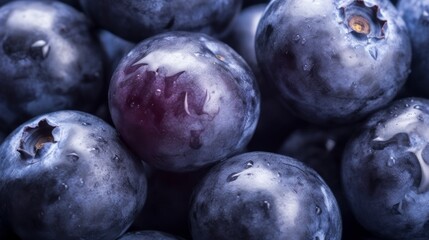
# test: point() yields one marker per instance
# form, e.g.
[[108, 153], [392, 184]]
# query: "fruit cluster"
[[214, 119]]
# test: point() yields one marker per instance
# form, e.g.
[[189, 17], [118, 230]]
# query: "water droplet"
[[158, 92], [266, 208], [94, 150], [266, 205], [65, 186], [116, 158], [101, 140], [391, 161], [249, 164], [86, 124], [296, 38], [81, 182], [132, 104], [232, 177], [41, 47], [72, 157], [373, 52], [318, 210], [306, 67], [418, 107]]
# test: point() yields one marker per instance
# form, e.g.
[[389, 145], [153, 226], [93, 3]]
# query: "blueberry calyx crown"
[[363, 19], [34, 139]]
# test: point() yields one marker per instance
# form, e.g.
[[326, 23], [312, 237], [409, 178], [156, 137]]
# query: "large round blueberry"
[[261, 195], [136, 20], [49, 60], [332, 60], [385, 171], [67, 175], [184, 100]]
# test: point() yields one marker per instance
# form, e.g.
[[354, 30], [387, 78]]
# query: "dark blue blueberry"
[[67, 175], [184, 100], [136, 20], [260, 195], [334, 61], [275, 121], [385, 171], [115, 49], [148, 235], [49, 60], [416, 15], [74, 3]]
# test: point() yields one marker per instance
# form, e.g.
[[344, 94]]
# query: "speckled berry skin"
[[334, 61], [184, 100], [67, 175], [50, 60], [260, 195], [385, 171], [136, 20]]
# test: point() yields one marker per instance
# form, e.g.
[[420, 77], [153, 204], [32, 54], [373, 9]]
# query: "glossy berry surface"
[[385, 171], [184, 100], [136, 20], [49, 60], [334, 61], [260, 195], [67, 175]]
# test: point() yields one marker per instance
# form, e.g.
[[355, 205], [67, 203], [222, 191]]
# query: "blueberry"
[[74, 3], [136, 20], [333, 61], [114, 47], [241, 36], [416, 15], [385, 171], [49, 60], [67, 175], [184, 100], [148, 235], [260, 195]]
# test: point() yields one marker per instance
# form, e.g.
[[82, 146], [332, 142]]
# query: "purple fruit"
[[184, 100]]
